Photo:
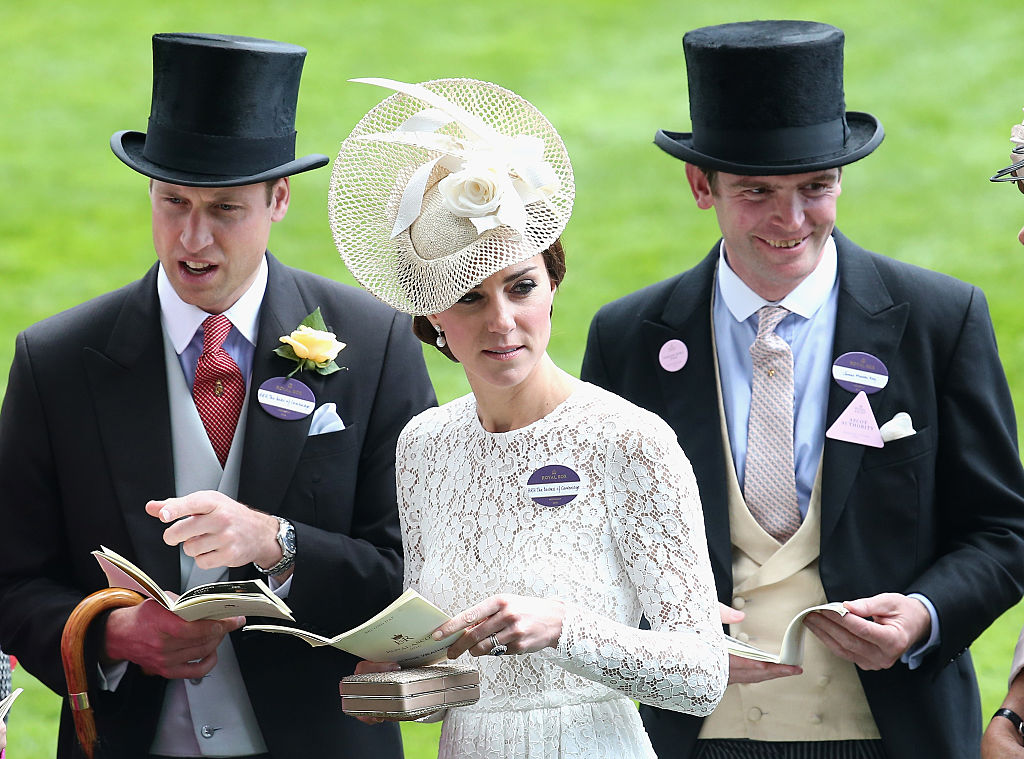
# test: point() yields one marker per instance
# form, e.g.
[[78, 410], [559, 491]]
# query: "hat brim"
[[866, 134], [128, 146]]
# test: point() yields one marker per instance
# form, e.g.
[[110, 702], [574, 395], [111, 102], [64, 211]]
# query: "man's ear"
[[280, 198], [700, 187]]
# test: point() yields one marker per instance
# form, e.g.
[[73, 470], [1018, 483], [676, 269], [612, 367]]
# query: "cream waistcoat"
[[772, 583]]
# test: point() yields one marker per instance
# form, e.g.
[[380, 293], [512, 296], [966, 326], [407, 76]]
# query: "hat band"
[[765, 146], [216, 154]]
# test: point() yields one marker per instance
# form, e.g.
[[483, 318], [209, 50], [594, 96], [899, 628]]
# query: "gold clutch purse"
[[409, 694]]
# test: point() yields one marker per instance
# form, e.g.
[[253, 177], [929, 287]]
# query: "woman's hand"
[[519, 623], [744, 670], [365, 668]]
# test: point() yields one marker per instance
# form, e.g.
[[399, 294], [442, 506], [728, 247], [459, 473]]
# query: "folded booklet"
[[214, 600], [398, 633], [792, 641], [7, 701]]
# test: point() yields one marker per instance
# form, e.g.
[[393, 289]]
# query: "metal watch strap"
[[1013, 717], [287, 556]]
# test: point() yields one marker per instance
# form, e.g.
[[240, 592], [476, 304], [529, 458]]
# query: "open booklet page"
[[792, 642], [216, 600], [398, 633], [7, 701]]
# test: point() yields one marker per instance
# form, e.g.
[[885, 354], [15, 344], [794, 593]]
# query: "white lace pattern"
[[630, 543]]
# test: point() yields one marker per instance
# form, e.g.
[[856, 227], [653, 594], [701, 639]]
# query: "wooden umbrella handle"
[[72, 643]]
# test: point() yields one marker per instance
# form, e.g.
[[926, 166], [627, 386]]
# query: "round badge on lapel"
[[286, 398], [673, 355], [860, 372]]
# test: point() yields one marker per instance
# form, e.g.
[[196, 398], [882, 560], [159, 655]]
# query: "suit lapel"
[[690, 401], [867, 320], [272, 446], [128, 382]]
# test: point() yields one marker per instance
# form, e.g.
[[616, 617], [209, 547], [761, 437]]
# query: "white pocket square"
[[897, 427], [326, 419]]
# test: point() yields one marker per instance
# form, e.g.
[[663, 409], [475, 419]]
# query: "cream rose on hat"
[[443, 184], [473, 192]]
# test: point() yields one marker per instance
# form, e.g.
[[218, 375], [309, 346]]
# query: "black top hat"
[[222, 114], [766, 97]]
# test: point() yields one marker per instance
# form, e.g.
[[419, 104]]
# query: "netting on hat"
[[430, 265]]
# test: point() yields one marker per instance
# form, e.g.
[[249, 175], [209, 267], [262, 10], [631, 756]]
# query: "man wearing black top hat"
[[149, 393], [859, 446]]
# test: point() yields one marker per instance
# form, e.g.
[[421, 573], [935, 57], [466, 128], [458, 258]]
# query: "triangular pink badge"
[[857, 424]]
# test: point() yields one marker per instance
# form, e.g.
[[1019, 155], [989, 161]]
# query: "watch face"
[[288, 539]]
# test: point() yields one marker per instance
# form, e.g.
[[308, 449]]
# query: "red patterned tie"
[[219, 390]]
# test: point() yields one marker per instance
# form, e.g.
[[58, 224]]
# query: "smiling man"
[[775, 360], [142, 420]]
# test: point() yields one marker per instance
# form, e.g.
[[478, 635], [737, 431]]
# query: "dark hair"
[[268, 186], [554, 262], [712, 176]]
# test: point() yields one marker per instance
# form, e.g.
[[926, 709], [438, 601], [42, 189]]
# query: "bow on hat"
[[491, 177]]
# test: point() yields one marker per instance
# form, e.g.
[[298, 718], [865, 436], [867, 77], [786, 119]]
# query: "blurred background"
[[941, 76]]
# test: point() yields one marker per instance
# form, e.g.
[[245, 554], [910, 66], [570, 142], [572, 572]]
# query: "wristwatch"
[[285, 539], [1013, 717]]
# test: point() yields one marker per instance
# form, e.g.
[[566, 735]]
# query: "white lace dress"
[[630, 542]]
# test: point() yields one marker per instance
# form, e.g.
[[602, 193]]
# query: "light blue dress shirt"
[[808, 330]]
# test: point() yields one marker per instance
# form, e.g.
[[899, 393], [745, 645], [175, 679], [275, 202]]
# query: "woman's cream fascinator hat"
[[443, 184], [1015, 171]]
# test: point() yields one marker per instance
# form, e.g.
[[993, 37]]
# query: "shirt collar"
[[181, 319], [805, 299]]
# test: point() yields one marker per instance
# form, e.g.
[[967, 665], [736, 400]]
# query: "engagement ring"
[[497, 648]]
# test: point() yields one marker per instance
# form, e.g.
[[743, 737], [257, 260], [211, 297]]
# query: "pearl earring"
[[440, 341]]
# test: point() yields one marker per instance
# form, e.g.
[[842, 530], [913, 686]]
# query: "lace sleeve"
[[407, 456], [681, 662]]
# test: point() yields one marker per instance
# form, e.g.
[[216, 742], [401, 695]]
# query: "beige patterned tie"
[[769, 482]]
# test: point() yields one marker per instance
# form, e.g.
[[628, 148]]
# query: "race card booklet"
[[215, 600], [7, 701], [399, 633], [792, 642]]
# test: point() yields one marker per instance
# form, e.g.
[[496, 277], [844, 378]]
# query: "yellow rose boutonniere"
[[311, 346]]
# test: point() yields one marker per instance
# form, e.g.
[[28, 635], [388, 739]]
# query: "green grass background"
[[942, 76]]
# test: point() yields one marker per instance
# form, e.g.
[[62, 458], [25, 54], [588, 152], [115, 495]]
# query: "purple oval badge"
[[673, 355], [286, 398], [859, 372], [553, 485]]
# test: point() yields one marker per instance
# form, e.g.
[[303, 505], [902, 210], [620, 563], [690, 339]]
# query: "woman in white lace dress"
[[549, 515]]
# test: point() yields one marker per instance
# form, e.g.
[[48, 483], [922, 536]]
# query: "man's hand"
[[218, 531], [745, 670], [876, 632], [162, 643], [1001, 741]]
